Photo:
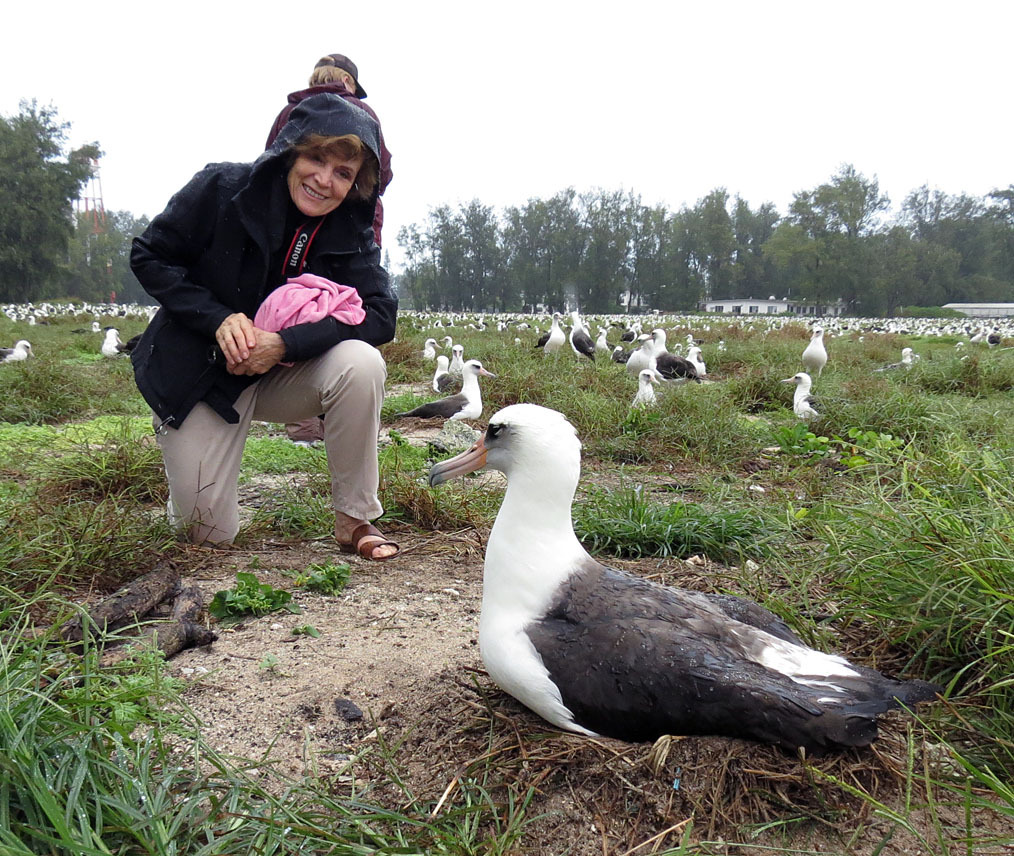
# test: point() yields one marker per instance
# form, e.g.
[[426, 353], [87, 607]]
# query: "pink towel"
[[307, 298]]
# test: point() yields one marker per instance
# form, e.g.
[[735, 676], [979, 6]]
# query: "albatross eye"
[[494, 431]]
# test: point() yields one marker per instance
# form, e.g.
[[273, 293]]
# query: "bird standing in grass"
[[580, 341], [552, 340], [599, 651], [815, 354]]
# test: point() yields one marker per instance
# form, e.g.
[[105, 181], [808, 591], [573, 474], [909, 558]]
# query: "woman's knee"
[[360, 360]]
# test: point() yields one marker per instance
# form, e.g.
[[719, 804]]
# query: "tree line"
[[601, 250], [48, 248], [606, 250]]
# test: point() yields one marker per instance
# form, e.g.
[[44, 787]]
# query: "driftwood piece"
[[129, 604], [170, 637], [188, 604]]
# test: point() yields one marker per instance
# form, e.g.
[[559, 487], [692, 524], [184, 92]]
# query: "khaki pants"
[[203, 456]]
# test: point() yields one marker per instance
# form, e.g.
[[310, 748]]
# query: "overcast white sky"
[[503, 102]]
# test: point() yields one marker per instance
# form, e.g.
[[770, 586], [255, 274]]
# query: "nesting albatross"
[[599, 651], [467, 404]]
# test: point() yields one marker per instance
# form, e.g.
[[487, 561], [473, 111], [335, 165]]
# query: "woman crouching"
[[272, 304]]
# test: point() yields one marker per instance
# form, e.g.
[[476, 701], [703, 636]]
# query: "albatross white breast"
[[598, 651]]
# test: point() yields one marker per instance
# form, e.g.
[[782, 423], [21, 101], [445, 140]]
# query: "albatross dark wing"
[[634, 660]]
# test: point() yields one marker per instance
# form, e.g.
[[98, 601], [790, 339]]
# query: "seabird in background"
[[643, 357], [467, 404], [670, 366], [599, 651], [602, 343], [456, 366], [112, 346], [631, 333], [696, 358], [815, 355], [645, 396], [907, 358], [22, 350], [429, 349], [552, 340], [994, 339], [580, 341], [619, 355], [802, 401], [442, 379]]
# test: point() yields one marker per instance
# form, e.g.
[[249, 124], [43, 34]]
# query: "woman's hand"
[[236, 336], [267, 351]]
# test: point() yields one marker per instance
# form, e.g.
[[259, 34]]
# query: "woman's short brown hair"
[[346, 147]]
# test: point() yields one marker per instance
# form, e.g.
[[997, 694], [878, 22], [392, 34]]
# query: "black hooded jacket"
[[207, 256]]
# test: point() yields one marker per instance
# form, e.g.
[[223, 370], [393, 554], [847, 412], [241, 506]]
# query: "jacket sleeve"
[[163, 256], [364, 272]]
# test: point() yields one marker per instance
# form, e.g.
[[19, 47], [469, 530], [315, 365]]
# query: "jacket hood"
[[330, 115]]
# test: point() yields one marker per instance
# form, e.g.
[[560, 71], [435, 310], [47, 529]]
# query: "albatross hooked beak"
[[460, 465]]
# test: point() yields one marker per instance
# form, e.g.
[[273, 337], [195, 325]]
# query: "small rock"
[[347, 710], [454, 437]]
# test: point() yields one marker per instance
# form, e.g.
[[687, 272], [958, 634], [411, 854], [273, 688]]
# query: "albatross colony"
[[598, 651]]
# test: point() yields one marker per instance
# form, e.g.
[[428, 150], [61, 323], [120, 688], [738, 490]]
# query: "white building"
[[771, 306], [982, 310]]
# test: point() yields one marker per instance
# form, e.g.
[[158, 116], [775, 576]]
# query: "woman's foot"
[[360, 536]]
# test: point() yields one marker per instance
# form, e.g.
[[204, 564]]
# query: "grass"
[[894, 507]]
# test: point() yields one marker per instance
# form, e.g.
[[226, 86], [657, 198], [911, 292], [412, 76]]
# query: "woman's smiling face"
[[319, 183]]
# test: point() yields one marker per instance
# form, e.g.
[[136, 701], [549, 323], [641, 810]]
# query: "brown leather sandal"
[[365, 548]]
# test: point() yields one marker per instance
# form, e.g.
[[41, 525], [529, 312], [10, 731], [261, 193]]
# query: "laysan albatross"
[[599, 651]]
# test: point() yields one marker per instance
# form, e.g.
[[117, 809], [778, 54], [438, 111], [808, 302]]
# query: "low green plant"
[[797, 439], [324, 578], [626, 523], [306, 630], [250, 597]]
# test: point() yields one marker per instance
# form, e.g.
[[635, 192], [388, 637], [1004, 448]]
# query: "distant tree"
[[98, 258], [605, 270], [715, 243], [38, 186]]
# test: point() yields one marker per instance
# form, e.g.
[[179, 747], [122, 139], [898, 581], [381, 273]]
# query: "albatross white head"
[[539, 452]]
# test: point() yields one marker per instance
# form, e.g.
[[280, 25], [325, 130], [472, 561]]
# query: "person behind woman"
[[224, 242], [337, 74]]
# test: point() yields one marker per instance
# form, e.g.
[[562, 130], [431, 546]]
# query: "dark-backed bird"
[[467, 404], [22, 350], [552, 340], [619, 355], [672, 367], [580, 341], [599, 651], [112, 345], [802, 402], [442, 379], [908, 357]]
